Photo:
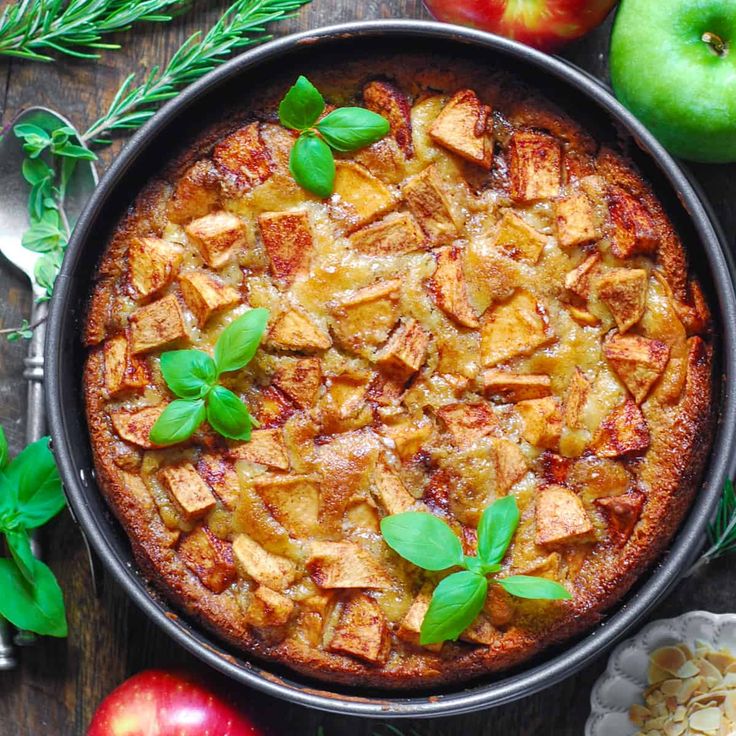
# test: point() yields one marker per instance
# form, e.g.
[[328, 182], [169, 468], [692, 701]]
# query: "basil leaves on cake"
[[428, 542], [193, 376], [312, 163]]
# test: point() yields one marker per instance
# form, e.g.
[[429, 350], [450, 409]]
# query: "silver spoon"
[[14, 221]]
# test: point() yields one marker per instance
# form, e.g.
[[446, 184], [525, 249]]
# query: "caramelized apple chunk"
[[517, 239], [152, 264], [266, 568], [633, 229], [206, 295], [448, 287], [395, 234], [386, 99], [294, 330], [624, 291], [217, 236], [622, 513], [637, 361], [576, 220], [345, 565], [287, 238], [542, 420], [242, 159], [362, 631], [123, 370], [196, 194], [535, 166], [560, 517], [156, 325], [623, 432], [209, 558], [300, 380], [426, 196], [513, 387], [467, 423], [192, 496]]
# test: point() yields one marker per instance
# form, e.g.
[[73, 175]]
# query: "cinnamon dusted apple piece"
[[196, 193], [513, 387], [265, 447], [135, 426], [189, 492], [395, 234], [624, 291], [467, 423], [637, 361], [582, 316], [268, 607], [367, 316], [542, 420], [509, 463], [576, 220], [344, 404], [517, 239], [266, 568], [406, 349], [287, 238], [293, 500], [535, 166], [209, 558], [560, 517], [359, 197], [447, 287], [205, 295], [243, 160], [580, 278], [577, 396], [633, 229], [123, 371], [410, 627], [517, 326], [156, 325], [390, 492], [624, 431], [426, 196], [387, 100], [294, 330], [409, 434], [362, 631], [345, 565], [217, 236], [152, 264], [221, 477], [463, 128], [271, 407], [622, 513], [300, 380]]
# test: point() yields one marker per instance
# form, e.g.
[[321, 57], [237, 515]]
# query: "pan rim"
[[560, 666]]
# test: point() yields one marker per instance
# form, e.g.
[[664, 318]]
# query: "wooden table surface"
[[59, 683]]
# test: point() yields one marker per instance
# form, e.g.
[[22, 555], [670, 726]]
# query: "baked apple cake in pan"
[[492, 303]]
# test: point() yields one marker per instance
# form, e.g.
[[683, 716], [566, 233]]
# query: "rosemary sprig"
[[243, 24], [721, 530], [32, 29]]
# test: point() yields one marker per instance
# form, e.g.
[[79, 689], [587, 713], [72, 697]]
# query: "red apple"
[[161, 703], [545, 24]]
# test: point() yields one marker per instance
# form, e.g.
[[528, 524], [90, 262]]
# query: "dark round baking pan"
[[190, 112]]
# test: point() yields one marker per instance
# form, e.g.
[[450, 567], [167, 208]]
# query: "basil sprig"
[[311, 162], [193, 376], [428, 542], [30, 495]]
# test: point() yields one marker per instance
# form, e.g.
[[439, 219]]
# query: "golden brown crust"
[[667, 473]]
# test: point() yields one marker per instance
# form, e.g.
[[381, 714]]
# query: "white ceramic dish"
[[621, 685]]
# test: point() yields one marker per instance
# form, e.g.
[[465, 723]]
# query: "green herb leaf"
[[302, 105], [527, 586], [32, 481], [496, 529], [38, 607], [178, 421], [423, 539], [36, 171], [188, 373], [228, 415], [29, 130], [349, 128], [456, 603], [19, 544], [312, 165], [42, 237], [239, 341], [4, 452]]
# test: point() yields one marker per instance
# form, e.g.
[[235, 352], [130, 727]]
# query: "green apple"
[[673, 64]]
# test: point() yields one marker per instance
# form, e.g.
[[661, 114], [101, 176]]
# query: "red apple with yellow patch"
[[545, 24]]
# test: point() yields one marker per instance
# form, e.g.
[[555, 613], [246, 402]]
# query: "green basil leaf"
[[188, 373], [33, 481], [302, 105], [4, 451], [527, 586], [423, 539], [456, 603], [228, 415], [348, 128], [42, 237], [239, 341], [38, 607], [178, 421], [312, 165], [19, 544], [496, 529]]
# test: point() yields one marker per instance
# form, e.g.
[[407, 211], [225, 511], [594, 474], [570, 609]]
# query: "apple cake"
[[492, 302]]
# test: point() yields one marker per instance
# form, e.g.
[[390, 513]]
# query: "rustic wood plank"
[[60, 682]]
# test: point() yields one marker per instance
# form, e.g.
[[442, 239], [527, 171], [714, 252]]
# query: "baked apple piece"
[[535, 166], [152, 264]]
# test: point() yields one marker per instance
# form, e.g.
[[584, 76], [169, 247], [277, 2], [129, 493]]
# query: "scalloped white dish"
[[621, 685]]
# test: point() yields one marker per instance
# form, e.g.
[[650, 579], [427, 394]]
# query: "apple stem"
[[716, 44]]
